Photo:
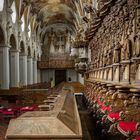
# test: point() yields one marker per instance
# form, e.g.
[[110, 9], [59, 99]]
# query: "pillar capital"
[[4, 45], [34, 59], [29, 57], [14, 50], [23, 54]]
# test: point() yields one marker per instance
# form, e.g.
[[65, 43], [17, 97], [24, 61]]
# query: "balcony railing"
[[58, 63]]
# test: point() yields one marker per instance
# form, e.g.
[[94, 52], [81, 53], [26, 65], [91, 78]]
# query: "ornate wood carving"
[[59, 63], [117, 39]]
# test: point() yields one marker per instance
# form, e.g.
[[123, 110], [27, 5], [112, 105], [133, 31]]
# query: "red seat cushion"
[[125, 126], [1, 110], [137, 137], [113, 115], [105, 108], [9, 111], [27, 108], [101, 103]]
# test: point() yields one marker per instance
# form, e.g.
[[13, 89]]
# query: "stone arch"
[[2, 36], [13, 43]]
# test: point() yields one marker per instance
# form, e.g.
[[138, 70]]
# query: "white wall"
[[46, 75], [80, 78], [72, 74]]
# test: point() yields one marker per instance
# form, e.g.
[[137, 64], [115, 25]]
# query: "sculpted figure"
[[137, 45], [125, 49], [117, 53]]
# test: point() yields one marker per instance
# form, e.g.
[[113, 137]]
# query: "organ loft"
[[70, 69]]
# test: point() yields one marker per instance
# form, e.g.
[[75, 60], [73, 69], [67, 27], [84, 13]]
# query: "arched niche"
[[1, 5], [13, 41], [2, 38], [22, 47]]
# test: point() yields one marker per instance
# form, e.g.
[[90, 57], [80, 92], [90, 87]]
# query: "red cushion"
[[1, 110], [9, 112], [104, 108], [101, 103], [125, 126], [27, 109], [16, 107], [137, 137], [114, 115]]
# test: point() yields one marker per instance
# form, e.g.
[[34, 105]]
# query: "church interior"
[[69, 69]]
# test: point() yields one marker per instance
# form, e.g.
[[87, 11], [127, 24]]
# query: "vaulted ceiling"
[[50, 13]]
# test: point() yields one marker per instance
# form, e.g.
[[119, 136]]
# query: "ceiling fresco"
[[55, 12], [59, 14]]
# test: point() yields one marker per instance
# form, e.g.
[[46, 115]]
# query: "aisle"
[[89, 129], [87, 122]]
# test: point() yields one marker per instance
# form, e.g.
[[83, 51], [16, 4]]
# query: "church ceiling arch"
[[50, 12]]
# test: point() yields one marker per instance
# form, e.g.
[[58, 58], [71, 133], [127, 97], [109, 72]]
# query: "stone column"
[[14, 68], [29, 70], [4, 67], [23, 69], [34, 71]]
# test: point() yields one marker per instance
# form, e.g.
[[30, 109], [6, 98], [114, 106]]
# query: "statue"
[[137, 45], [125, 49], [116, 58]]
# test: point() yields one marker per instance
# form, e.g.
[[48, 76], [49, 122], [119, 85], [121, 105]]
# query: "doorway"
[[60, 76]]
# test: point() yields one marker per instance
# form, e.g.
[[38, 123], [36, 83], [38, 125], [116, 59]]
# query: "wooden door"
[[60, 76]]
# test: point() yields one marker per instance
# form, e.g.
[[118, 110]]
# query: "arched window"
[[23, 23], [1, 5], [14, 14]]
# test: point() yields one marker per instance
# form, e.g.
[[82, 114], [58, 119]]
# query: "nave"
[[45, 44]]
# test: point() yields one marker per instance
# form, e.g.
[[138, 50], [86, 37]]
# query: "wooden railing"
[[18, 90], [59, 63]]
